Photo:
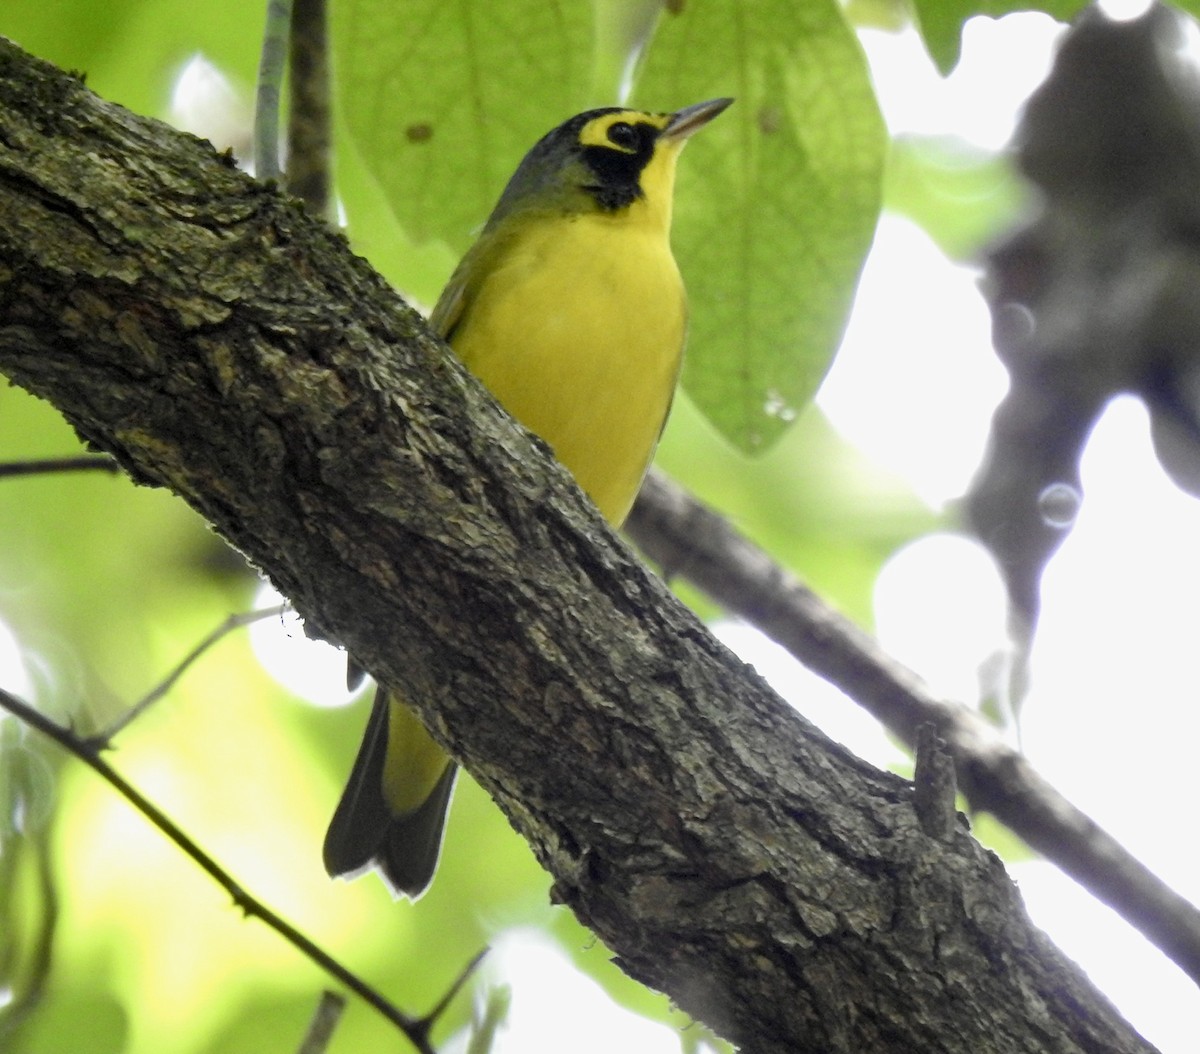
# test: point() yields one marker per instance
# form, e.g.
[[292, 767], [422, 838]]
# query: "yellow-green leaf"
[[442, 99], [777, 200]]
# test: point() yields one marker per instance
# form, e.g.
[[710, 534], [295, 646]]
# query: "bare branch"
[[268, 92], [448, 997], [246, 618], [324, 1021], [687, 538], [309, 135], [413, 1028], [25, 981], [43, 466]]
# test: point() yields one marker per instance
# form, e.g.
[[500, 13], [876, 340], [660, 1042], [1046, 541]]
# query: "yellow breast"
[[578, 328]]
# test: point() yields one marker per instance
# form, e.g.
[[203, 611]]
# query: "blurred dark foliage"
[[1099, 294]]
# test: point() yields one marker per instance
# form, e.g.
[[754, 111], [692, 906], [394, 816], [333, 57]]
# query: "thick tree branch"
[[686, 538], [218, 341]]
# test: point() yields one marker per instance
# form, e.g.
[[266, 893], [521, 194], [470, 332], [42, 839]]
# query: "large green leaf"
[[777, 201], [442, 99]]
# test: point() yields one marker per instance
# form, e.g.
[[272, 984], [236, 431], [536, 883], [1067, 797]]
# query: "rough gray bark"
[[217, 341], [687, 539]]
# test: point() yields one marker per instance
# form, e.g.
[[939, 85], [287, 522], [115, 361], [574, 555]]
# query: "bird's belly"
[[579, 336]]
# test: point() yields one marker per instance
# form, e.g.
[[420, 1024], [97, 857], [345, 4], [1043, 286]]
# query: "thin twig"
[[324, 1020], [415, 1029], [101, 740], [271, 65], [483, 1028], [308, 133], [42, 466], [27, 992], [686, 538], [439, 1008]]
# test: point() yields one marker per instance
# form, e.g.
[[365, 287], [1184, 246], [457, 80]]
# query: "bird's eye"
[[623, 135]]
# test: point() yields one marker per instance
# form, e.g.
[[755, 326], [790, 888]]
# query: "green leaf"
[[443, 99], [777, 200]]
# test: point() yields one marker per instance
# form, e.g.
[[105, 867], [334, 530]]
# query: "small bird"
[[571, 310]]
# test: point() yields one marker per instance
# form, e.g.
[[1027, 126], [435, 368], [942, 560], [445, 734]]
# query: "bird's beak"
[[692, 118]]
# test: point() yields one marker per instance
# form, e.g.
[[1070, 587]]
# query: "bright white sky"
[[1112, 719]]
